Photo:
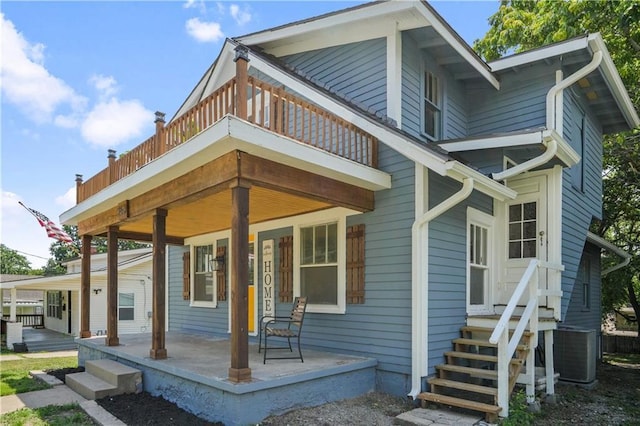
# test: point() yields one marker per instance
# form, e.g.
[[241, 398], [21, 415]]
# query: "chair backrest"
[[298, 310]]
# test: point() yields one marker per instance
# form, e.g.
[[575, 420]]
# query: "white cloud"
[[204, 31], [26, 82], [241, 16], [199, 4], [113, 122], [20, 231], [67, 200], [105, 85]]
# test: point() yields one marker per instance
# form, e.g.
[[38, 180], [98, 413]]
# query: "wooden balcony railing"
[[267, 106]]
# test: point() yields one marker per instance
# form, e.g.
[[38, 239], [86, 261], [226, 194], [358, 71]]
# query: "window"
[[125, 307], [522, 230], [54, 304], [319, 264], [431, 106], [479, 260], [577, 171], [478, 264], [584, 277], [203, 283]]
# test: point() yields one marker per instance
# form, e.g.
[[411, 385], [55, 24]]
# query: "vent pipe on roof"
[[552, 95]]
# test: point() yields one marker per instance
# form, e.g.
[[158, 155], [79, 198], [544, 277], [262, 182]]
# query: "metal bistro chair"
[[283, 327]]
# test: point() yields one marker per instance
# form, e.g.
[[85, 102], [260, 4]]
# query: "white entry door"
[[525, 232]]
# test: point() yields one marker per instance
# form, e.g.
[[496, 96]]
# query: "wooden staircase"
[[468, 379]]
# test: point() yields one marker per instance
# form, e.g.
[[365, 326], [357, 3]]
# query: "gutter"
[[606, 245], [420, 282], [552, 95]]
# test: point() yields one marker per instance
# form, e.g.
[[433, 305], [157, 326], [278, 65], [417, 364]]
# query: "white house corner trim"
[[394, 75]]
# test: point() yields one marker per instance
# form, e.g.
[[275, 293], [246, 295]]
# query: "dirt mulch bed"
[[142, 409], [62, 372]]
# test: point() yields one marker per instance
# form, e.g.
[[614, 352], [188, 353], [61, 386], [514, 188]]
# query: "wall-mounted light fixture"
[[97, 290], [216, 263]]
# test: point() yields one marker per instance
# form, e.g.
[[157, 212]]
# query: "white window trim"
[[441, 91], [477, 217], [132, 306], [319, 219], [204, 240]]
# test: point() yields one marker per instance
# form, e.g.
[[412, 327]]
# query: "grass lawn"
[[54, 415], [15, 378]]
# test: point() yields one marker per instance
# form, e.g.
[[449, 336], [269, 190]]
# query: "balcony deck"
[[266, 106]]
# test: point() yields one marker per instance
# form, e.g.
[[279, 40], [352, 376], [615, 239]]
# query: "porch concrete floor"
[[209, 357]]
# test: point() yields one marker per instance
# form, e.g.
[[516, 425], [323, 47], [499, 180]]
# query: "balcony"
[[263, 105]]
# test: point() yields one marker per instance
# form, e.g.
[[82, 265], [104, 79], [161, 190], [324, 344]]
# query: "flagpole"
[[74, 247]]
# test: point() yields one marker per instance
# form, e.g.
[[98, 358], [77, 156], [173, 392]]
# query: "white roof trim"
[[595, 43], [616, 85], [565, 153], [41, 283], [368, 12], [606, 245], [539, 54], [229, 133]]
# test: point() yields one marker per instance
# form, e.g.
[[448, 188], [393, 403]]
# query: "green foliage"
[[12, 262], [54, 415], [15, 378], [519, 414], [520, 25]]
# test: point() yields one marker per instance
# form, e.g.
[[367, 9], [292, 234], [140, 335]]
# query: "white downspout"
[[552, 145], [420, 282], [622, 264]]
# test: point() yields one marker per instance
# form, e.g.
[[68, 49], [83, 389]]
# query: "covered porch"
[[222, 165], [194, 376]]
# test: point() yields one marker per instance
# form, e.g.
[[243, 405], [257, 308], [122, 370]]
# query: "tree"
[[63, 252], [520, 25], [12, 262]]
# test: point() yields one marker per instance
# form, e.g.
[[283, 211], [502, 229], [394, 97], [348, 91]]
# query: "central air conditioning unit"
[[574, 354]]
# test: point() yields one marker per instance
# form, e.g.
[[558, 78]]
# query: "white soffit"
[[539, 54]]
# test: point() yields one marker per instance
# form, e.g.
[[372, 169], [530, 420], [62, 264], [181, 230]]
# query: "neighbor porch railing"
[[267, 106], [28, 320], [528, 287]]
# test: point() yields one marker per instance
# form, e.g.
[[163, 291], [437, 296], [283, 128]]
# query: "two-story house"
[[432, 208]]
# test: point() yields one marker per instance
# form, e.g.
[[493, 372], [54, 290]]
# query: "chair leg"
[[259, 339], [289, 341], [264, 357], [299, 349]]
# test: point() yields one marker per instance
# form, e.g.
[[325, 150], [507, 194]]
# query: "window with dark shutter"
[[286, 269], [221, 276], [186, 275], [355, 264]]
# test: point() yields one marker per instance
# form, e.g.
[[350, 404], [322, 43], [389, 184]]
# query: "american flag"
[[53, 231]]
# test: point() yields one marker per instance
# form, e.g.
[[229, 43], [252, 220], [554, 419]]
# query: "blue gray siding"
[[414, 63], [579, 315], [356, 71], [447, 265], [191, 319], [518, 105], [579, 207]]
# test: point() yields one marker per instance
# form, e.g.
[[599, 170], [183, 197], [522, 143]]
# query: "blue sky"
[[78, 78]]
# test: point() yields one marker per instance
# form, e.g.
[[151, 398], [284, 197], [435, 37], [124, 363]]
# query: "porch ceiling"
[[213, 213]]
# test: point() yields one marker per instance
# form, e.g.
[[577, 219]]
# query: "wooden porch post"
[[239, 371], [158, 350], [85, 287], [112, 286], [241, 59]]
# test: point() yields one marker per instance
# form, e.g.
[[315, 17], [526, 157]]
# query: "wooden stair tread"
[[476, 329], [484, 343], [459, 402], [478, 357], [478, 372], [486, 390]]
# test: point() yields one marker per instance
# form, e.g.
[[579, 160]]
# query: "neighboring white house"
[[62, 300]]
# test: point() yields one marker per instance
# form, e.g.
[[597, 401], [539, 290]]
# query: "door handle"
[[541, 233]]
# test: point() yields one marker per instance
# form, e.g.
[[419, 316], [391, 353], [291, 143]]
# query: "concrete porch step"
[[105, 377], [89, 386]]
